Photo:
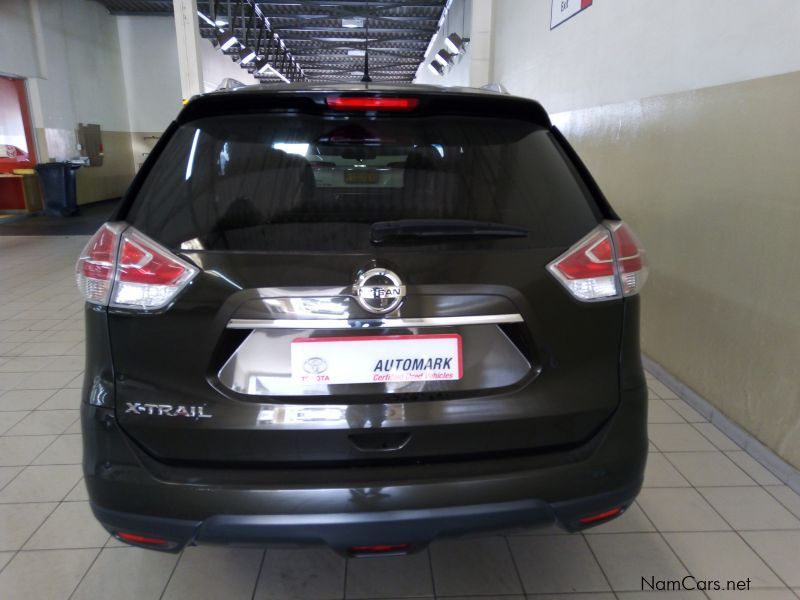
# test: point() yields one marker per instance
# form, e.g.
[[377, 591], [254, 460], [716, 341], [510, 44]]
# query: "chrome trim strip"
[[393, 414], [373, 323]]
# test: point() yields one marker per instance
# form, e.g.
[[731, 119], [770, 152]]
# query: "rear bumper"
[[341, 531], [343, 508]]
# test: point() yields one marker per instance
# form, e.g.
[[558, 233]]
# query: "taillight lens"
[[97, 263], [631, 259], [607, 263], [126, 269]]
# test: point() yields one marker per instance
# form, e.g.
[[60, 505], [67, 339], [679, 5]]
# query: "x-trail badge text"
[[379, 290]]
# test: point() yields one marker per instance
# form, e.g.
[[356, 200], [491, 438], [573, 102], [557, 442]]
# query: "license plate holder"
[[361, 177], [377, 359]]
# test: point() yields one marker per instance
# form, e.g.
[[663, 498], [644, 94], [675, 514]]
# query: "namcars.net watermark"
[[691, 583]]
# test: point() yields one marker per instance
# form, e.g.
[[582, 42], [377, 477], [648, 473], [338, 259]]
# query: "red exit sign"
[[563, 10]]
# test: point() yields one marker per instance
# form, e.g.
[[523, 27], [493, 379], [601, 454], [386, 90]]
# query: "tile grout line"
[[776, 465], [344, 578], [664, 539], [85, 573], [754, 484], [430, 568], [171, 575], [597, 562], [30, 464], [516, 567], [57, 503], [778, 500], [258, 573], [733, 529], [28, 539]]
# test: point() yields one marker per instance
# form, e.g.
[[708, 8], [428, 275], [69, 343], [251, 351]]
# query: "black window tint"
[[270, 182]]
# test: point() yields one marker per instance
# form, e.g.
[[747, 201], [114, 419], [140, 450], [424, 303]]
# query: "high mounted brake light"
[[362, 103], [125, 269], [607, 263]]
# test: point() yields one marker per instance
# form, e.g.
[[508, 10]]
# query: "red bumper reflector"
[[366, 103], [601, 516], [140, 539], [380, 549]]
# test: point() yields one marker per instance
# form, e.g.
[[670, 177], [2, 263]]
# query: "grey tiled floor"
[[707, 508]]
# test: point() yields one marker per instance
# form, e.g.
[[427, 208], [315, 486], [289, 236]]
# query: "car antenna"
[[366, 78]]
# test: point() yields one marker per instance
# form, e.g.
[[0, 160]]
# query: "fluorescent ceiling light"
[[299, 149], [190, 162], [206, 19], [247, 55], [353, 22], [226, 40], [444, 57], [348, 40], [355, 53], [436, 68], [455, 43], [263, 68]]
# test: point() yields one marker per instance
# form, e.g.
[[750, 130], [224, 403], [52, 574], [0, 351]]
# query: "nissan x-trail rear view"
[[365, 317]]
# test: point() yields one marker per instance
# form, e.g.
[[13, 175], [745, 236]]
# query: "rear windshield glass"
[[291, 182]]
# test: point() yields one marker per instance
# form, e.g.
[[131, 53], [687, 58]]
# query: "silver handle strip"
[[373, 323]]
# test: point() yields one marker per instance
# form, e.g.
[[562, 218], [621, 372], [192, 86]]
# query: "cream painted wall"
[[686, 113], [710, 182]]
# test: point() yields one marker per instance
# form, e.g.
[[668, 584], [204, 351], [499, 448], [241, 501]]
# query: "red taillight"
[[631, 259], [601, 516], [364, 103], [379, 549], [128, 270], [607, 263], [141, 539], [95, 269], [139, 263]]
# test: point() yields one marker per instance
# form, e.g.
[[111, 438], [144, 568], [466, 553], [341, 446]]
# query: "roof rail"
[[495, 87]]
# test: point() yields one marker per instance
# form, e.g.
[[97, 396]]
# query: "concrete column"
[[188, 34], [480, 43]]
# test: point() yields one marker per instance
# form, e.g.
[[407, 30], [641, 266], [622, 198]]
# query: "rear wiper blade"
[[432, 228]]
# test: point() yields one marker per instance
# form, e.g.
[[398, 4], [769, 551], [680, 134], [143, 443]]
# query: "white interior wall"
[[629, 49], [150, 68], [17, 47], [217, 66], [84, 69], [458, 20], [470, 19]]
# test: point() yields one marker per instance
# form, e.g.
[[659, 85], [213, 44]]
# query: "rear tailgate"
[[210, 380], [559, 388]]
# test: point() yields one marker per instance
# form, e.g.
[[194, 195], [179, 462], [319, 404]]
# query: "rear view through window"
[[274, 183]]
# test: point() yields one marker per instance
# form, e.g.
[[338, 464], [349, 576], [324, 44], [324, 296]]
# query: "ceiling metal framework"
[[316, 40]]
